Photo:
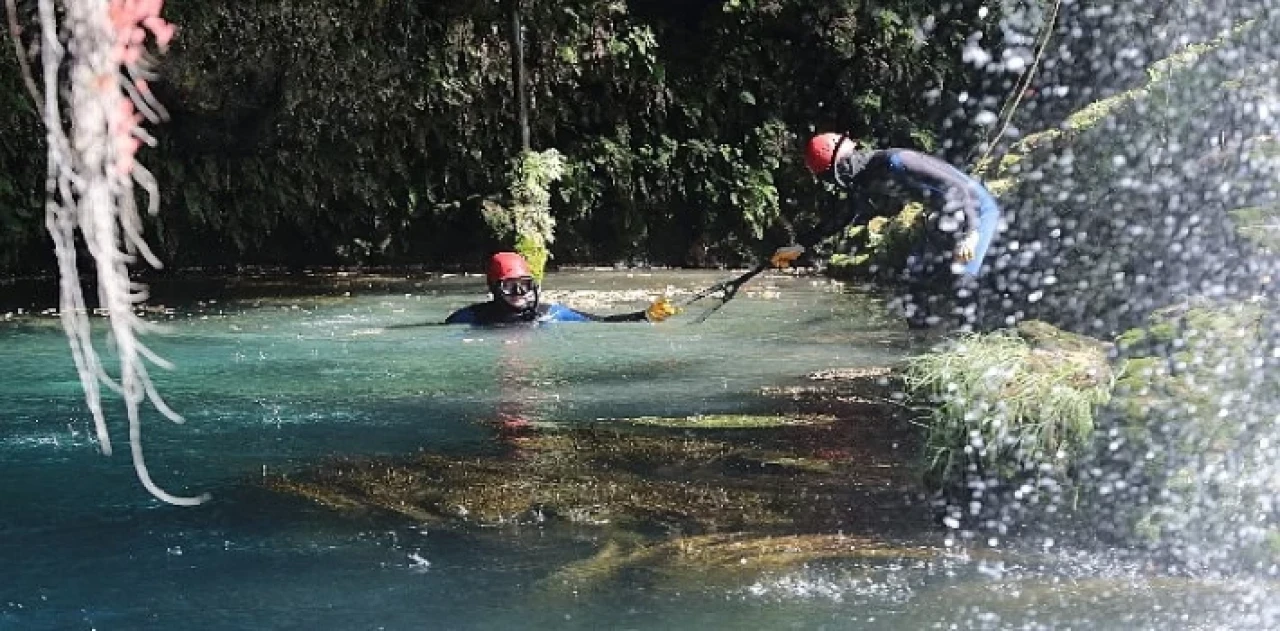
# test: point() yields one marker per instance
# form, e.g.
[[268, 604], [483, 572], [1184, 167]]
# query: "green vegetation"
[[529, 219], [318, 133], [22, 162], [1008, 401], [1176, 436], [880, 247]]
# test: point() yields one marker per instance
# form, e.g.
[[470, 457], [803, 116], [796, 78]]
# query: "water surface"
[[277, 381]]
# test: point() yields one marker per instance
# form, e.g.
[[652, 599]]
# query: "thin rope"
[[1011, 106]]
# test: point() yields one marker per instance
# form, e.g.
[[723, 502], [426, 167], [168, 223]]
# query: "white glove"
[[967, 248]]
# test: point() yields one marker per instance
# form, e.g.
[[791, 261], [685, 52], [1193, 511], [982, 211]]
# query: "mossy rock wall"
[[1187, 459], [878, 249], [1166, 439], [1127, 206]]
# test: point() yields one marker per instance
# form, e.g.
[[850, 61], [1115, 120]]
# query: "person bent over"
[[960, 219]]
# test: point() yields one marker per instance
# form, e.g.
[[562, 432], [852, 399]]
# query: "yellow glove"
[[783, 257], [968, 247], [660, 310]]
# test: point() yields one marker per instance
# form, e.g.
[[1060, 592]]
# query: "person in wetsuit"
[[516, 299], [961, 217]]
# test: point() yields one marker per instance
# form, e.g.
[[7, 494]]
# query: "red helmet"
[[820, 155], [504, 265]]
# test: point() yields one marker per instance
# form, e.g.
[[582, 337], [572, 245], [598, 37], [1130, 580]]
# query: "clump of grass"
[[1006, 402]]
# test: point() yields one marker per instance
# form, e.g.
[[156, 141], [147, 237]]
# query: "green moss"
[[1009, 161], [880, 246], [1273, 543], [1098, 111], [1162, 332], [1261, 225], [1164, 69], [530, 217], [1001, 186], [1161, 70], [1037, 140], [1046, 337], [1189, 399]]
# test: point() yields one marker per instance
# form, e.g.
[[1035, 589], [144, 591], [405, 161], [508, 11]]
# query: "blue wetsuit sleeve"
[[988, 222], [560, 313], [981, 212], [465, 315], [932, 174]]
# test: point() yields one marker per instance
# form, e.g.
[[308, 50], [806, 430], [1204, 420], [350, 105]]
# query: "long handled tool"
[[725, 290]]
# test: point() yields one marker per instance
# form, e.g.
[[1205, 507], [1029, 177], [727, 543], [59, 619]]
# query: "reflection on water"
[[273, 384]]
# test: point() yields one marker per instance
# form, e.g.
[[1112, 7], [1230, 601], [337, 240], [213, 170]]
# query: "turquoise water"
[[274, 384]]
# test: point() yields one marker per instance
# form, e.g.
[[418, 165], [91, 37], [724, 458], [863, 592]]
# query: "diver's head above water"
[[516, 298], [512, 283]]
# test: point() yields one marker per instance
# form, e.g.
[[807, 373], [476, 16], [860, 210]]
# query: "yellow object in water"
[[783, 257], [660, 310]]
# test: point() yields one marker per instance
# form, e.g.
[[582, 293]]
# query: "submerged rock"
[[732, 421], [730, 559], [744, 491], [646, 481]]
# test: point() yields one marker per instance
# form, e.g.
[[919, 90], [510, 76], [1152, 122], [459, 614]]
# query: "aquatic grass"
[[582, 476], [1005, 400], [732, 421]]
